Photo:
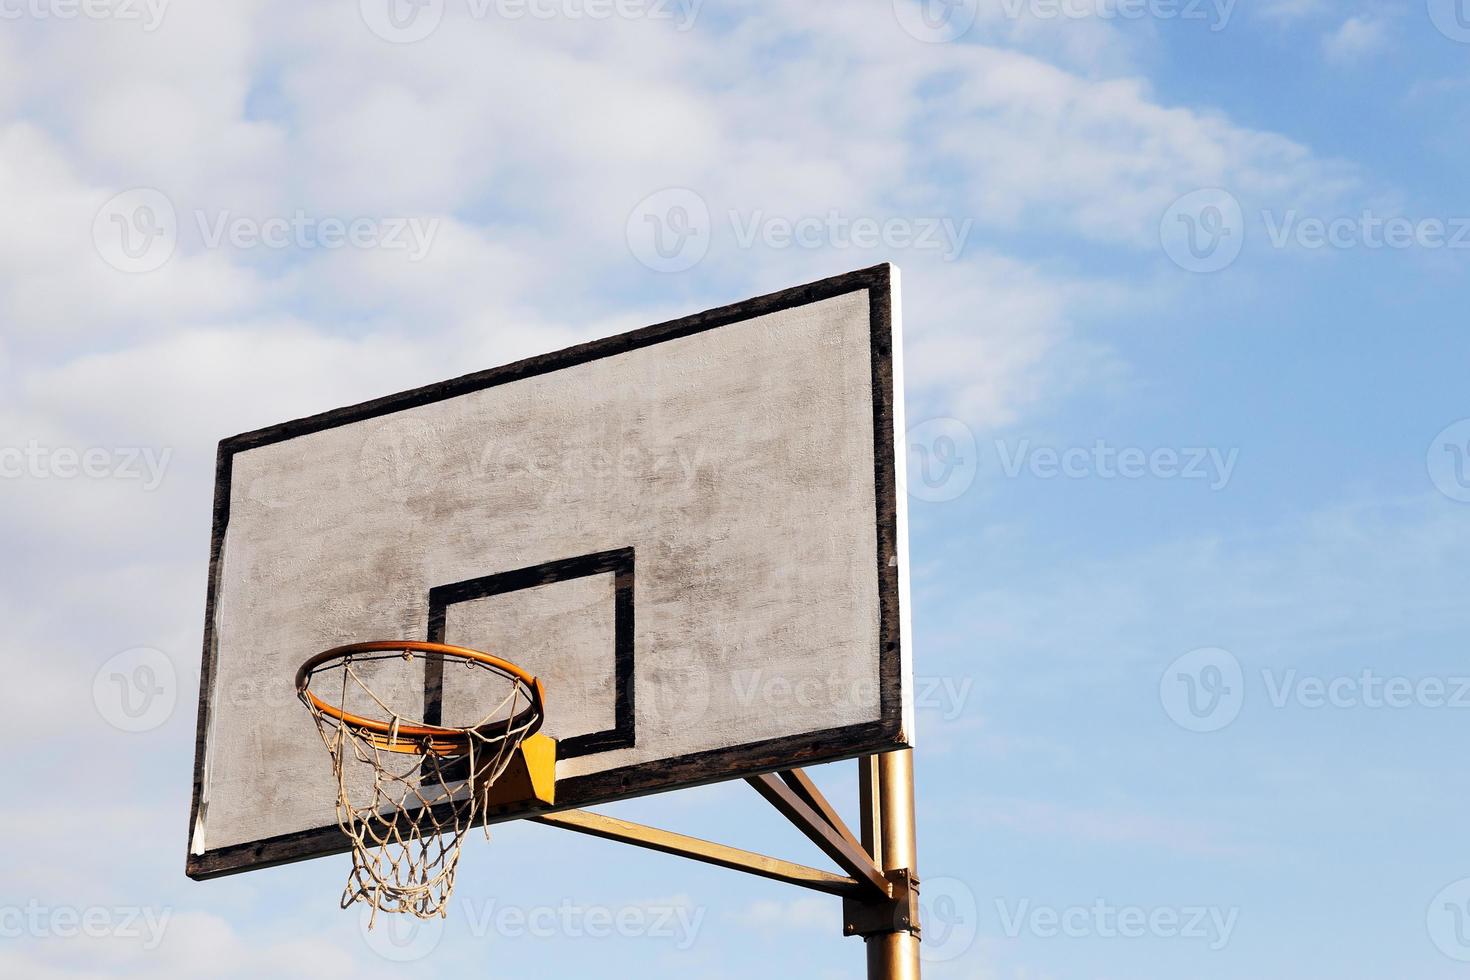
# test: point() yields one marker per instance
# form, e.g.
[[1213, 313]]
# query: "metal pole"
[[887, 782]]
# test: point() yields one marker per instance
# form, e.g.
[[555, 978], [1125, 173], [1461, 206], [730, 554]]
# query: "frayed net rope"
[[407, 830]]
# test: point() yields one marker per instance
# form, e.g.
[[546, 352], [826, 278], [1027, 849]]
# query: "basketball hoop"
[[429, 782]]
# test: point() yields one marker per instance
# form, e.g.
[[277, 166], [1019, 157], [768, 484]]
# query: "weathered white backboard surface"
[[692, 533]]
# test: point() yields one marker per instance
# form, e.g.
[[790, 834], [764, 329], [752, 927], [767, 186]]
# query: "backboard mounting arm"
[[668, 842], [880, 893]]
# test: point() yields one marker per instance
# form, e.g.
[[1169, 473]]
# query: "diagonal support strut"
[[840, 847], [801, 784]]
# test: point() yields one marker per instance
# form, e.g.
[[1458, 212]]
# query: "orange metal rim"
[[432, 733]]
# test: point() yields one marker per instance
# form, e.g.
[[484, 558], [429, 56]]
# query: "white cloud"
[[56, 288], [989, 338], [1357, 38], [530, 143]]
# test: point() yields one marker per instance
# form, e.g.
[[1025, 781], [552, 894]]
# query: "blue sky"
[[1216, 697]]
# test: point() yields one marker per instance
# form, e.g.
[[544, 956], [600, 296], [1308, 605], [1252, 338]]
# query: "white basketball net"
[[408, 826]]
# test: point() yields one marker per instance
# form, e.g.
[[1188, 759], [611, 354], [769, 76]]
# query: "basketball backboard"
[[693, 534]]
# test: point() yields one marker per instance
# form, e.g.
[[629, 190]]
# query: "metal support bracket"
[[882, 906], [897, 914], [837, 844]]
